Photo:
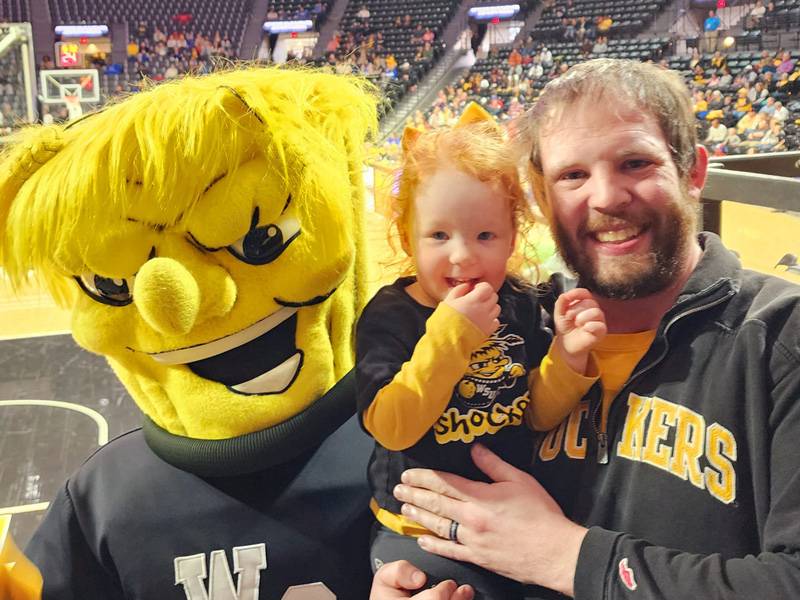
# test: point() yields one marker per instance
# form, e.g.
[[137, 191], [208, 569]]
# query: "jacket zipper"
[[602, 436]]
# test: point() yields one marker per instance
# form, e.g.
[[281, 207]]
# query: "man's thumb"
[[495, 467]]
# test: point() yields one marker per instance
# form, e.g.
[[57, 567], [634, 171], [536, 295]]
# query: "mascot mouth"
[[260, 359]]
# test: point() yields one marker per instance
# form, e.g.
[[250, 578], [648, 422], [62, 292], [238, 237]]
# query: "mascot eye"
[[262, 245], [108, 290]]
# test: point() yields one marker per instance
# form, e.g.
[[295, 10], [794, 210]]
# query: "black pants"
[[388, 546]]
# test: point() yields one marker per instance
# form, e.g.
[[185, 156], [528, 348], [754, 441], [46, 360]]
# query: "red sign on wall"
[[68, 54]]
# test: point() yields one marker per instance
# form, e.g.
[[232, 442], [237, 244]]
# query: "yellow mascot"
[[206, 234]]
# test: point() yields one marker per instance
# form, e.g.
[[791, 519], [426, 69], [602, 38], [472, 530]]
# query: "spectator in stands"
[[132, 49], [758, 95], [715, 105], [716, 134], [546, 57], [700, 104], [695, 58], [711, 28], [769, 15], [773, 139], [786, 64], [428, 35], [363, 12], [568, 32], [604, 23], [601, 45], [47, 63], [747, 123], [718, 60], [272, 14], [732, 142], [781, 113], [755, 15], [699, 75], [768, 107], [725, 79], [535, 71], [754, 135]]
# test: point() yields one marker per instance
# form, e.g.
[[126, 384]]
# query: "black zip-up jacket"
[[700, 495]]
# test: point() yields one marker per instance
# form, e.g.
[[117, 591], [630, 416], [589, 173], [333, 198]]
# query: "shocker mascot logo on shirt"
[[206, 234], [491, 369]]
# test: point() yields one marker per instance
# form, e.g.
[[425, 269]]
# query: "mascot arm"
[[69, 567], [406, 406]]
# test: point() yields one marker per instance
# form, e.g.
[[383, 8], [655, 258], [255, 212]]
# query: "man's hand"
[[580, 325], [399, 579], [478, 304], [512, 527]]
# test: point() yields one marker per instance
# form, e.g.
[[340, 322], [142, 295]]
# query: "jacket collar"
[[716, 277]]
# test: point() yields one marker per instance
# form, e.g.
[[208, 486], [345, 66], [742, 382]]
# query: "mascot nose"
[[173, 299]]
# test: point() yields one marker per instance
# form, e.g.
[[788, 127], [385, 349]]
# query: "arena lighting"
[[81, 30], [286, 26], [488, 12]]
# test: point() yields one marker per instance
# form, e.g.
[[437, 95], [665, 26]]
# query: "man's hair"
[[629, 84]]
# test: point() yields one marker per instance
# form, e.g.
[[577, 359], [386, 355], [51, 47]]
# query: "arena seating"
[[398, 22], [629, 17], [205, 16], [14, 11]]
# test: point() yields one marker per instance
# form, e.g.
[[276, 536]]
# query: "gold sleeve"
[[556, 389], [408, 406]]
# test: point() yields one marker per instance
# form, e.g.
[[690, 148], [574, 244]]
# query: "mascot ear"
[[410, 137]]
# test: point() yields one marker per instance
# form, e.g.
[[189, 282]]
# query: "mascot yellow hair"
[[207, 235]]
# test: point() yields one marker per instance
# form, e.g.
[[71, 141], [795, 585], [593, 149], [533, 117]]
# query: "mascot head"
[[206, 235]]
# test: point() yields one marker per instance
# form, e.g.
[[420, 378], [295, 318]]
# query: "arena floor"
[[58, 402]]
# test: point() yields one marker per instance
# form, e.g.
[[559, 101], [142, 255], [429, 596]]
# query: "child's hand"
[[478, 304], [580, 325]]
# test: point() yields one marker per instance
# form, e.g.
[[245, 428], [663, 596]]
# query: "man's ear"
[[698, 172]]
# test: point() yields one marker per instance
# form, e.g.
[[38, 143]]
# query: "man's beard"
[[631, 276]]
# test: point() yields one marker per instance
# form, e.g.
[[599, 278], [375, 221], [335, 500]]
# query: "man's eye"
[[439, 235], [108, 290], [573, 175], [486, 235], [637, 163], [263, 244]]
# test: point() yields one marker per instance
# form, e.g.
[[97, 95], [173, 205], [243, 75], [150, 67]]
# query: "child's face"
[[461, 233]]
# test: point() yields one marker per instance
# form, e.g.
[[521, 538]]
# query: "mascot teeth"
[[261, 359], [273, 381]]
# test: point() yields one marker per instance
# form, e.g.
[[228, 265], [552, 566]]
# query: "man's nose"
[[607, 191]]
